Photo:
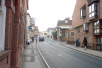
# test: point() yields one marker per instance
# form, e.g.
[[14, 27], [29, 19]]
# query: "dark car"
[[41, 38]]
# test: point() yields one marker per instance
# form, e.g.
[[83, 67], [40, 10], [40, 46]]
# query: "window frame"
[[96, 27], [78, 30], [93, 10], [83, 12], [85, 27], [0, 3], [71, 33]]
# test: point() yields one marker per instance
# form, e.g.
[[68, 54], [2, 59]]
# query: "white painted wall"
[[2, 25], [28, 31]]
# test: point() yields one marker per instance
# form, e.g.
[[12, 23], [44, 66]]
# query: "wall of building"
[[78, 23], [83, 34], [15, 29]]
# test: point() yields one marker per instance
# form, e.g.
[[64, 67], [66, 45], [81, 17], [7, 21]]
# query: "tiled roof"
[[62, 22]]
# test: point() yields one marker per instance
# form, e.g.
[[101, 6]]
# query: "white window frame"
[[83, 11], [86, 26], [92, 10]]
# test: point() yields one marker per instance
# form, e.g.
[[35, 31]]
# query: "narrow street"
[[58, 56]]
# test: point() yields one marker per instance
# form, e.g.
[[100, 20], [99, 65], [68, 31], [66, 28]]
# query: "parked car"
[[41, 38]]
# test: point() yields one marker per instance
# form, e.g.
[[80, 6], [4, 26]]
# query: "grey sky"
[[48, 12]]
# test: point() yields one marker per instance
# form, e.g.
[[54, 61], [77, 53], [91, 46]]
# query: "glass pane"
[[81, 13], [84, 26], [89, 9], [98, 30], [0, 3], [97, 40], [95, 31], [92, 14], [87, 26], [92, 7], [94, 25], [101, 40], [97, 24]]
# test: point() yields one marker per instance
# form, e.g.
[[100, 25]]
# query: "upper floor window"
[[93, 10], [83, 12], [66, 21], [86, 26]]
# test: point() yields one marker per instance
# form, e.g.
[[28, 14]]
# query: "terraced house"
[[87, 22]]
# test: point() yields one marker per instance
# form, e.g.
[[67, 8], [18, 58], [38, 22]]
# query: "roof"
[[62, 22]]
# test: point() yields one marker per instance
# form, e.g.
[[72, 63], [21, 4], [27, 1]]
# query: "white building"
[[28, 26], [50, 30]]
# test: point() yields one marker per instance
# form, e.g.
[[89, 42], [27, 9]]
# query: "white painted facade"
[[2, 24], [27, 25]]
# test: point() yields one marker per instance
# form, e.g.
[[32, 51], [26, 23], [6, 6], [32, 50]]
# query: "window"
[[96, 27], [45, 33], [66, 21], [99, 43], [72, 33], [0, 3], [93, 10], [82, 12], [78, 29], [86, 26]]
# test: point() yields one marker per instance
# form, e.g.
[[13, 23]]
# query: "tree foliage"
[[54, 34]]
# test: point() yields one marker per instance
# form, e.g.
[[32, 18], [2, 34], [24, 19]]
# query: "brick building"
[[12, 31], [65, 31], [87, 22]]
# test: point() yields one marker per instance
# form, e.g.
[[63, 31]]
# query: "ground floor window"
[[99, 43]]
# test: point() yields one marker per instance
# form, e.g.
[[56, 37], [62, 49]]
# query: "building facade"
[[65, 31], [12, 32], [44, 33], [28, 27], [50, 31], [36, 31], [87, 22], [4, 54]]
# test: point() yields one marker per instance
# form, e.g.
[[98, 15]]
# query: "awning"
[[65, 27]]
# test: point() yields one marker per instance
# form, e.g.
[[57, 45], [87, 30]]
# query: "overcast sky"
[[48, 12]]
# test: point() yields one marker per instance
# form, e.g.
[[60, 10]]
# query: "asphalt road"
[[58, 56]]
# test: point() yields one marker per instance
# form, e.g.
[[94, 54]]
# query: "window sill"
[[4, 54], [86, 30], [82, 17], [97, 34], [93, 18]]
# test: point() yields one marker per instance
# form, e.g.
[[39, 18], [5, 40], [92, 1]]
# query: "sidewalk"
[[31, 58], [88, 51]]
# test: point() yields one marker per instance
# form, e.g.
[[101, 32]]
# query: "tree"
[[54, 34]]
